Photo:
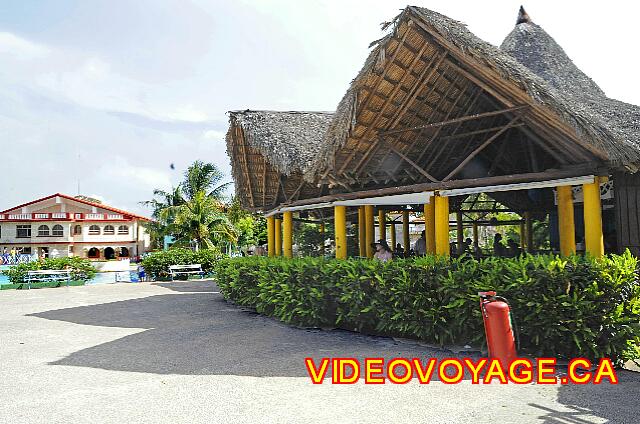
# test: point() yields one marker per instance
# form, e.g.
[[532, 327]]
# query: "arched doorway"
[[109, 253], [124, 252], [93, 253]]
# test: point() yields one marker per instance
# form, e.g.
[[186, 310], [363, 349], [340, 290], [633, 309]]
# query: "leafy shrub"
[[564, 307], [81, 268], [157, 263]]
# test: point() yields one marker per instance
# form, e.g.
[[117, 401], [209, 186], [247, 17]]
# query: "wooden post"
[[442, 225], [362, 236], [271, 245], [405, 232], [369, 229], [523, 237], [475, 233], [278, 236], [288, 234], [340, 222], [528, 225], [382, 225], [459, 230], [430, 225], [566, 226], [593, 238], [322, 238]]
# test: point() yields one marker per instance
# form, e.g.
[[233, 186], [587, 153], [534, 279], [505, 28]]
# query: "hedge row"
[[81, 268], [562, 307], [157, 264], [41, 285]]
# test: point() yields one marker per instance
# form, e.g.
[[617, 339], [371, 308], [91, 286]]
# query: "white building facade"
[[61, 225]]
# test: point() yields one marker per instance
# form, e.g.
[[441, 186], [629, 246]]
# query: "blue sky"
[[110, 93]]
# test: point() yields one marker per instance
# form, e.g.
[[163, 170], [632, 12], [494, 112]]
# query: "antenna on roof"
[[523, 16]]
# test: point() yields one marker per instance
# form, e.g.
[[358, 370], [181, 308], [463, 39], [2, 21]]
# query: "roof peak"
[[523, 17]]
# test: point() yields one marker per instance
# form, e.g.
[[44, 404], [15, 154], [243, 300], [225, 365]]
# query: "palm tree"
[[201, 220], [194, 209]]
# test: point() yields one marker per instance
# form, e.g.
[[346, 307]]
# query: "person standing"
[[420, 246]]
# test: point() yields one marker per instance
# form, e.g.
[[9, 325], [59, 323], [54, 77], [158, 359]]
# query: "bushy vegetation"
[[81, 269], [562, 307], [157, 264]]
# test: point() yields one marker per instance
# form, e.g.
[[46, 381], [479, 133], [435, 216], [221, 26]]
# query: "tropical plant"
[[157, 264], [81, 268]]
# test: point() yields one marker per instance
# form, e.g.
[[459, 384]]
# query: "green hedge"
[[81, 269], [562, 307], [157, 264]]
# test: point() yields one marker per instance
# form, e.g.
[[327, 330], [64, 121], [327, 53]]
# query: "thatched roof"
[[266, 147], [530, 45], [603, 129]]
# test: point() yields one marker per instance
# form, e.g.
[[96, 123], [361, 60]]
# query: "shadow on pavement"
[[195, 331]]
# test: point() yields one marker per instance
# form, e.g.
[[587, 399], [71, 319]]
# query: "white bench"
[[48, 275], [175, 270]]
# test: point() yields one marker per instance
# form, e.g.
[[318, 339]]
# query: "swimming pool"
[[99, 278]]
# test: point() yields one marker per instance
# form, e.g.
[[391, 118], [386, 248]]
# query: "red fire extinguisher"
[[497, 326]]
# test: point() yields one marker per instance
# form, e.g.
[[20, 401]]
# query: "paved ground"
[[179, 353]]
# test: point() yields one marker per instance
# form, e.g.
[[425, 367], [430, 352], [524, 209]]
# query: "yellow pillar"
[[340, 222], [271, 245], [287, 241], [278, 236], [362, 237], [566, 227], [322, 238], [392, 229], [442, 225], [405, 232], [382, 225], [593, 239], [430, 225], [369, 230]]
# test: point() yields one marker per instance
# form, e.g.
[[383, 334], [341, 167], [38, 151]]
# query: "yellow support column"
[[369, 230], [340, 222], [362, 236], [287, 234], [459, 230], [442, 225], [271, 245], [566, 227], [382, 225], [405, 232], [392, 229], [593, 239], [278, 236], [430, 225], [322, 238]]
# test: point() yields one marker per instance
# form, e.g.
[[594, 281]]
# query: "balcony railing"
[[56, 216]]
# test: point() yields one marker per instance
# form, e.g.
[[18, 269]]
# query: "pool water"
[[99, 278]]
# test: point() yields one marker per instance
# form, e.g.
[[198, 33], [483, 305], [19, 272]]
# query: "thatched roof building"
[[270, 151], [433, 108]]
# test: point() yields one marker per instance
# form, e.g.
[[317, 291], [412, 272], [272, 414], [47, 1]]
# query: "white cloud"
[[214, 135], [24, 49]]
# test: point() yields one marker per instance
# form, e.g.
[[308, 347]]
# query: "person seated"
[[399, 252], [383, 251], [465, 247], [498, 248], [513, 249]]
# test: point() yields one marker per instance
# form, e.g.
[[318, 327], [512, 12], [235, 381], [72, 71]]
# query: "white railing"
[[94, 216], [20, 216], [59, 215], [114, 216], [41, 215]]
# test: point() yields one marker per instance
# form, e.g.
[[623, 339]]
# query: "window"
[[94, 230], [123, 229], [77, 230], [57, 231], [43, 231], [23, 231], [109, 230]]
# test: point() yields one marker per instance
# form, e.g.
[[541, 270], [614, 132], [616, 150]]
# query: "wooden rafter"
[[409, 161]]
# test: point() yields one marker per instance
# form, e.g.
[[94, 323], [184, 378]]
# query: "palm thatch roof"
[[530, 45], [270, 150], [582, 121]]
